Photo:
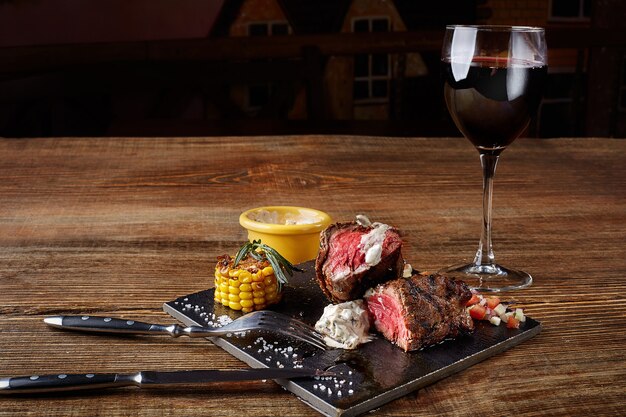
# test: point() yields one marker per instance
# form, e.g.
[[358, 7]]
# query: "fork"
[[264, 320]]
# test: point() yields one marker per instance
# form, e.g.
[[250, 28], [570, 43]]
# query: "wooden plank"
[[117, 226]]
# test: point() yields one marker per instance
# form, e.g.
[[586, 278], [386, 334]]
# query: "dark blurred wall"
[[43, 22], [88, 99], [606, 106]]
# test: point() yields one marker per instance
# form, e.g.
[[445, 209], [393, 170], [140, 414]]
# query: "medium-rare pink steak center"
[[347, 252], [388, 315], [344, 253], [353, 258]]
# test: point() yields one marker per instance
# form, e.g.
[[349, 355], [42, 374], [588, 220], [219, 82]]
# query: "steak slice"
[[420, 311], [354, 258]]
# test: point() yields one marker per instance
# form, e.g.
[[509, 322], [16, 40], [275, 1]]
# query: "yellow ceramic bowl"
[[273, 225]]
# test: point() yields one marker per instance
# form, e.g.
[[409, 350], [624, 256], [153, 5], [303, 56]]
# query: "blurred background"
[[254, 67]]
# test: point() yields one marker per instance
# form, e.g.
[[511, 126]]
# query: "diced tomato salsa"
[[490, 308]]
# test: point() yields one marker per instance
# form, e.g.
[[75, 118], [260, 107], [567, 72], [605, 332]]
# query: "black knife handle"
[[106, 324], [65, 382], [62, 382]]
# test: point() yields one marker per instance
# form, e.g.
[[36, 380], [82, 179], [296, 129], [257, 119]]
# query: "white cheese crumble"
[[372, 243], [345, 325]]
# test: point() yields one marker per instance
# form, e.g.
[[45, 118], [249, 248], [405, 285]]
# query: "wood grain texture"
[[118, 226]]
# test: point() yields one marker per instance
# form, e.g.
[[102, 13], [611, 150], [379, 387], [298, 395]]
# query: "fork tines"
[[281, 323]]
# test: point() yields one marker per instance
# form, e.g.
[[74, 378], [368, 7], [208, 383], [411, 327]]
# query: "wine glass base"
[[489, 278]]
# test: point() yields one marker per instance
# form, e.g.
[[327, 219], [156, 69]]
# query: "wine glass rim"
[[498, 28]]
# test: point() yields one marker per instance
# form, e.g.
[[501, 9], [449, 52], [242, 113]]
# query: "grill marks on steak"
[[421, 310], [412, 313], [353, 258]]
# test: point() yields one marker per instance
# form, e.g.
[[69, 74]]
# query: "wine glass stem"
[[484, 254]]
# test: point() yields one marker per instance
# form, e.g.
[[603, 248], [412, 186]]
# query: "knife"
[[71, 382]]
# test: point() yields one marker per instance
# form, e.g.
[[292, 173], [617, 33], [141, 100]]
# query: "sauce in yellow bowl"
[[293, 231]]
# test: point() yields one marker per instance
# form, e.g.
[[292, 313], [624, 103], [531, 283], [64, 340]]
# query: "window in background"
[[570, 10], [371, 72], [268, 28], [259, 95]]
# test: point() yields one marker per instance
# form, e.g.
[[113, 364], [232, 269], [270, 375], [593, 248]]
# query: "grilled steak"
[[354, 258], [421, 310]]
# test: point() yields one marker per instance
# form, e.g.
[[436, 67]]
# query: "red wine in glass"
[[494, 102], [493, 81]]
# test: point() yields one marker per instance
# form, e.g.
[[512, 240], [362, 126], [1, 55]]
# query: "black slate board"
[[369, 376]]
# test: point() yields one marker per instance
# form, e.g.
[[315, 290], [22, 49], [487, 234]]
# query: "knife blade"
[[71, 382]]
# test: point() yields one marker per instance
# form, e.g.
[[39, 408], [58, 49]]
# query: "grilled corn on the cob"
[[253, 279], [249, 286]]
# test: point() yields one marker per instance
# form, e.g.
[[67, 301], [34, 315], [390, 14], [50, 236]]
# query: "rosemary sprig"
[[260, 251]]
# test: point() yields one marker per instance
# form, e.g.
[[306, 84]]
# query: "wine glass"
[[493, 80]]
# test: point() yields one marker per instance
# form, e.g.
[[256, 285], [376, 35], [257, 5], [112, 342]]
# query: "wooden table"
[[118, 226]]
